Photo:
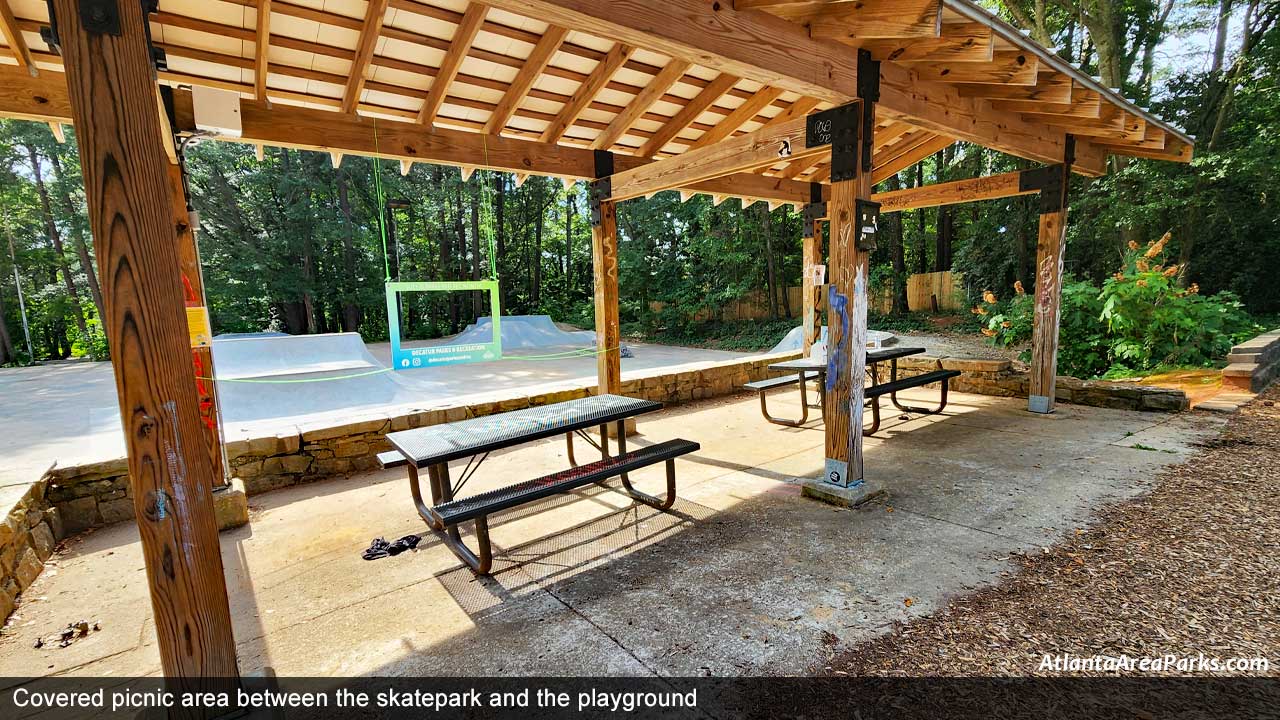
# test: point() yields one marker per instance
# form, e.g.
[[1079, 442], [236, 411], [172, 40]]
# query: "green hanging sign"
[[403, 358]]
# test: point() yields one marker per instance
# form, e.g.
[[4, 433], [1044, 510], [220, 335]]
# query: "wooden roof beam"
[[13, 38], [950, 193], [1006, 68], [750, 44], [371, 29], [463, 36], [1050, 87], [958, 42], [901, 161], [741, 115], [1084, 104], [537, 61], [640, 104], [591, 87], [871, 19], [690, 112], [262, 43], [761, 148]]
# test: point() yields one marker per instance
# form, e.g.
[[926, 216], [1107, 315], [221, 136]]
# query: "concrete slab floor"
[[743, 576]]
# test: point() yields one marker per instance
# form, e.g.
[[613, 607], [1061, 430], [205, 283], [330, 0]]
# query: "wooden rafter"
[[372, 27], [958, 42], [1006, 68], [640, 104], [900, 161], [871, 19], [262, 43], [13, 37], [1049, 87], [747, 152], [753, 45], [688, 114], [739, 117], [463, 36], [596, 81], [538, 60]]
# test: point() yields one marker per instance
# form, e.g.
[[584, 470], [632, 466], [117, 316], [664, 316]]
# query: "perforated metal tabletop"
[[442, 443]]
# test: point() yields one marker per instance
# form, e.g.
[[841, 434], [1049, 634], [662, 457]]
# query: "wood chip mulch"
[[1191, 569]]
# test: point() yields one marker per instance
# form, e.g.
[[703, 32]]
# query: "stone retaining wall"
[[27, 538]]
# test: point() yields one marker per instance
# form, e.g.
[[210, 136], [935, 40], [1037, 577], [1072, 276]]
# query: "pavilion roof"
[[643, 79]]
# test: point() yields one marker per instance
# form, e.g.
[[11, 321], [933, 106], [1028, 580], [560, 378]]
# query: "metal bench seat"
[[475, 506], [774, 382], [893, 387]]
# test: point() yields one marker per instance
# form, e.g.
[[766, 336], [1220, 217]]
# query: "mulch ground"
[[1191, 569]]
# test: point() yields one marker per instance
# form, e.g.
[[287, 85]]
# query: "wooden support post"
[[201, 335], [1050, 249], [847, 277], [812, 258], [112, 90], [604, 256], [1053, 183]]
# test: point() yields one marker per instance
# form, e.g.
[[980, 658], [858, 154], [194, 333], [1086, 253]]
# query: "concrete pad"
[[743, 576]]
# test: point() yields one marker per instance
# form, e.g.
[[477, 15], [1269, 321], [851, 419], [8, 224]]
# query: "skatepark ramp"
[[271, 376], [527, 332]]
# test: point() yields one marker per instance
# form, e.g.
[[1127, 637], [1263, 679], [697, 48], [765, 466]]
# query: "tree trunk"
[[350, 313], [51, 230], [7, 353], [771, 279], [538, 222], [500, 181], [570, 207], [922, 256], [77, 237], [898, 257]]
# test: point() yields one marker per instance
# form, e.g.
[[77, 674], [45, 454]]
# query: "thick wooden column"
[[847, 277], [1053, 182], [112, 90], [1050, 249], [811, 255], [604, 255], [199, 332]]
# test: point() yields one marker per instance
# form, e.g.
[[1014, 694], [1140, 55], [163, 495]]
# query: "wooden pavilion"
[[807, 102]]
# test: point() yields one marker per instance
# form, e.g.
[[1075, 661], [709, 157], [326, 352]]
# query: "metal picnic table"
[[434, 446], [807, 368]]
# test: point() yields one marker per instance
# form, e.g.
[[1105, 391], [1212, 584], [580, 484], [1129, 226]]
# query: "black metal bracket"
[[602, 186], [813, 213], [869, 93], [837, 127], [867, 215], [1050, 182], [102, 17]]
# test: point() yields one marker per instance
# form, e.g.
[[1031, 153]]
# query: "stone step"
[[1246, 358], [1239, 370]]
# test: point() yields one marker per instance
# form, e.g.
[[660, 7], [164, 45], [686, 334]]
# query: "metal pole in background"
[[17, 282]]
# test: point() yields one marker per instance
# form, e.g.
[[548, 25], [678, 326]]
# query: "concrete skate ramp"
[[269, 377], [523, 332], [794, 340]]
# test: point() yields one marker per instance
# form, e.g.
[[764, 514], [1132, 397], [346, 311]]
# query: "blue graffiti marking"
[[838, 357]]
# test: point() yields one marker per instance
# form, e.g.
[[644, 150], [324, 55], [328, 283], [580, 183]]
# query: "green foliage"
[[1153, 322], [742, 335], [1139, 321]]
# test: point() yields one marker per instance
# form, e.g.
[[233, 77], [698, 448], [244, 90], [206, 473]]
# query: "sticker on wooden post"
[[198, 326]]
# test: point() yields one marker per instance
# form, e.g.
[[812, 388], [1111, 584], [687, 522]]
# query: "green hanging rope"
[[382, 203]]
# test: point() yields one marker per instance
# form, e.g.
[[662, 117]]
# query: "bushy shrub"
[[1138, 321]]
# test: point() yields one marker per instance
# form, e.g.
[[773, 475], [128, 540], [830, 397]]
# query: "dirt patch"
[[1190, 569]]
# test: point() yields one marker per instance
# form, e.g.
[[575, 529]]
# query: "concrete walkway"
[[744, 577]]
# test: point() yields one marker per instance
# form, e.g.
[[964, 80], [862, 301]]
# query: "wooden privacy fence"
[[936, 291], [922, 290]]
